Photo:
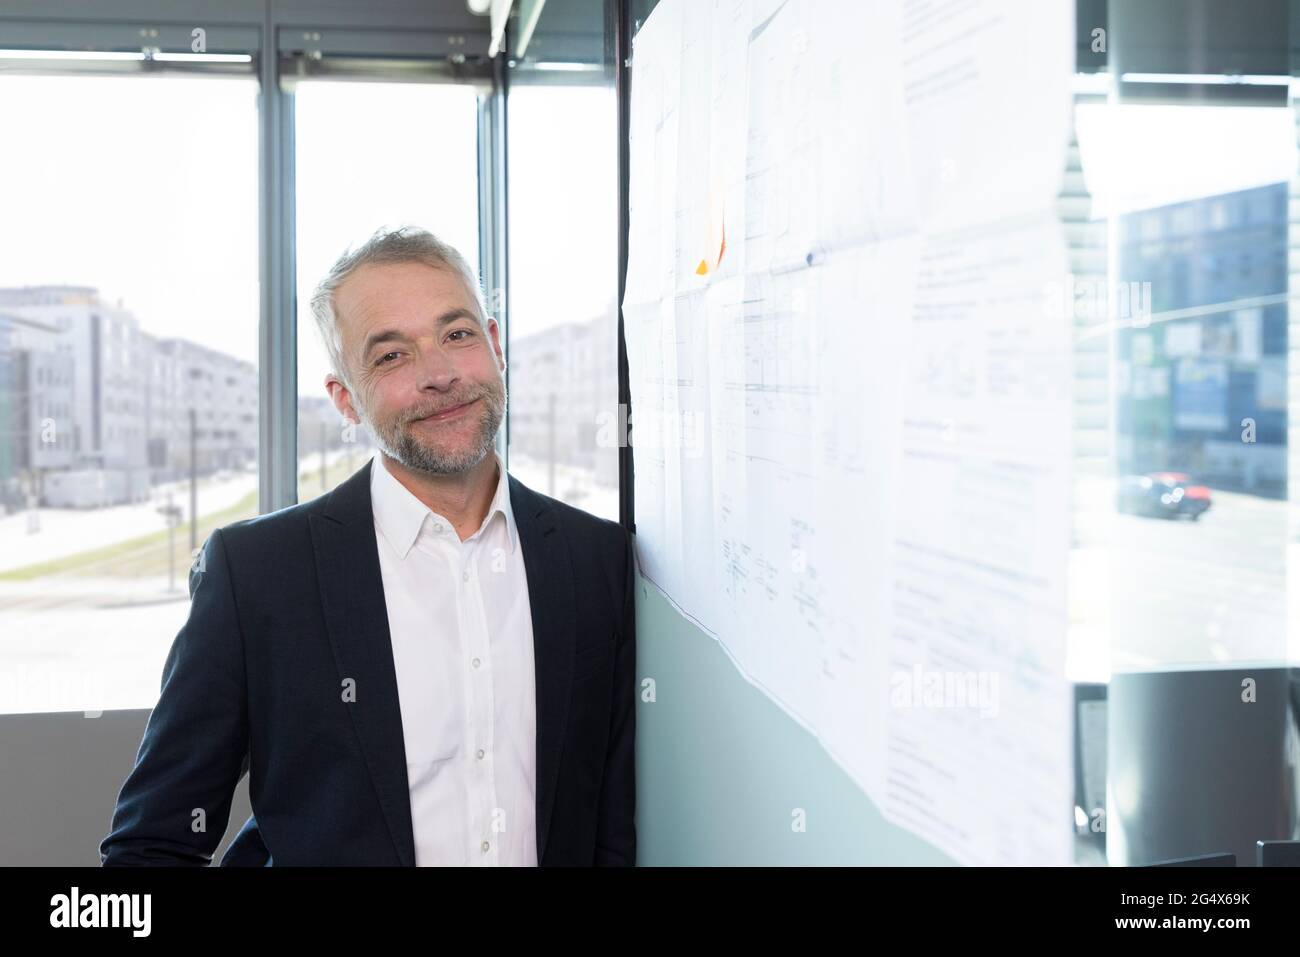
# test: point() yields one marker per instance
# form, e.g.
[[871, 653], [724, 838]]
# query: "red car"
[[1163, 495]]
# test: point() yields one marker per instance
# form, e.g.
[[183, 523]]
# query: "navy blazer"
[[285, 608]]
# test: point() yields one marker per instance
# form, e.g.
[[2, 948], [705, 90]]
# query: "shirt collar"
[[400, 515]]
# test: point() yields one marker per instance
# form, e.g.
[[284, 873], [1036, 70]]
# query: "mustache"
[[425, 413]]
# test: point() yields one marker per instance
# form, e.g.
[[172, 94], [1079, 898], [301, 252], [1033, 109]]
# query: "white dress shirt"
[[462, 635]]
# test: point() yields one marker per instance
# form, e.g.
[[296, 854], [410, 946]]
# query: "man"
[[430, 665]]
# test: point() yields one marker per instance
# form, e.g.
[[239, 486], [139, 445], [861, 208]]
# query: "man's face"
[[414, 347]]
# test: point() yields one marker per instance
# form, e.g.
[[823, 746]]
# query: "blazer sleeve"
[[175, 804], [616, 831]]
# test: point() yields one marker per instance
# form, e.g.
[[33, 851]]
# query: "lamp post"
[[171, 513]]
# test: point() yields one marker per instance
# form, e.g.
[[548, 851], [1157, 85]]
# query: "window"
[[1197, 321], [563, 355], [96, 526], [1181, 198], [370, 155]]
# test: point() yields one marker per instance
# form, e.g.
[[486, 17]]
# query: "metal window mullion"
[[492, 217], [619, 36], [277, 353]]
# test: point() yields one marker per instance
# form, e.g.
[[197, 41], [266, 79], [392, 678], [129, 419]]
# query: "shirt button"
[[464, 576], [437, 527], [485, 846], [480, 752], [474, 662]]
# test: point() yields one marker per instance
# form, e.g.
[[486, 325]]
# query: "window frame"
[[283, 42]]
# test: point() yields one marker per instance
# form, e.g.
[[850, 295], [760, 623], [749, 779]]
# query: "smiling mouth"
[[447, 413]]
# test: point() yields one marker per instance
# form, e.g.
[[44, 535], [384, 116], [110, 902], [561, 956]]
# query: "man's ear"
[[494, 336], [341, 397]]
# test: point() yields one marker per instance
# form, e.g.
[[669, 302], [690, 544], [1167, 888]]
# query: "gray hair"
[[406, 244]]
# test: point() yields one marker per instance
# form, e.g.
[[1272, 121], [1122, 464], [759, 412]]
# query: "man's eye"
[[384, 358], [466, 331]]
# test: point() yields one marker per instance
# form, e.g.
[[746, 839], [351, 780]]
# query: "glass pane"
[[1180, 202], [1195, 200], [128, 370], [563, 351], [370, 155]]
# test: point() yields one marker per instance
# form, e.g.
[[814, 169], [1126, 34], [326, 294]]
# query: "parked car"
[[1163, 495]]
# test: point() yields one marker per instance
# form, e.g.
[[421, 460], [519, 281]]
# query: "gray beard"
[[398, 442]]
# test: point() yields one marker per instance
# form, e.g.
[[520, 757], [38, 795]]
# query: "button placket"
[[484, 767], [478, 822], [453, 552]]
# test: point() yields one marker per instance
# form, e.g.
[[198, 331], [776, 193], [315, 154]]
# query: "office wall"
[[60, 778], [721, 767]]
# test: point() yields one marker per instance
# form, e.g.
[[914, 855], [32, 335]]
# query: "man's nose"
[[437, 371]]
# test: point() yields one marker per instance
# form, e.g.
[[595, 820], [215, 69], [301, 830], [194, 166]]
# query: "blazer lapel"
[[356, 616], [549, 570]]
